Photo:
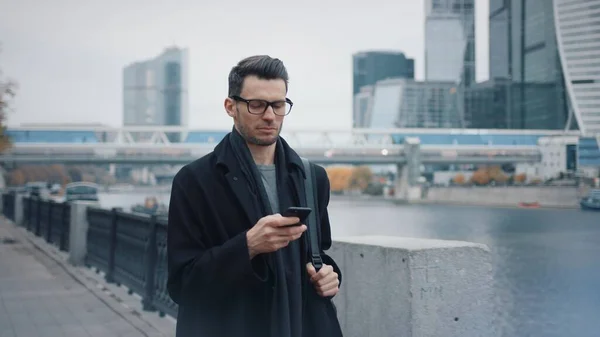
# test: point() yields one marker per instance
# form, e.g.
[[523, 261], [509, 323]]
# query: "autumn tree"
[[339, 178], [7, 92], [361, 177], [520, 178], [480, 177], [459, 179], [16, 178]]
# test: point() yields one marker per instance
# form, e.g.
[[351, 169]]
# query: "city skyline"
[[82, 58]]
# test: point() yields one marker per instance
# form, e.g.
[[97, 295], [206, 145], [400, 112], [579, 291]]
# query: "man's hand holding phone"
[[274, 232]]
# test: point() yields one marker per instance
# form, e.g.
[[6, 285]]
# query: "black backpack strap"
[[314, 246]]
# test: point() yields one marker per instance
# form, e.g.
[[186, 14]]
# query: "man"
[[236, 266]]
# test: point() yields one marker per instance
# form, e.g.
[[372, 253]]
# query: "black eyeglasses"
[[260, 106]]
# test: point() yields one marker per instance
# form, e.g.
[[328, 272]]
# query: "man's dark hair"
[[261, 66]]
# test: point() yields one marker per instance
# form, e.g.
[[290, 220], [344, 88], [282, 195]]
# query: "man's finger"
[[329, 293], [290, 232], [329, 278], [310, 269], [328, 286], [286, 221], [325, 270]]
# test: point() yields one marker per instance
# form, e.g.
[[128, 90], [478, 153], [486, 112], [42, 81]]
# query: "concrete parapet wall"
[[546, 196], [395, 286]]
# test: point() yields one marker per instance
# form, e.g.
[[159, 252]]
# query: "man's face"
[[256, 127]]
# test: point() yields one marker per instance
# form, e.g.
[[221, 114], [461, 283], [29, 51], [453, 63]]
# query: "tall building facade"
[[578, 34], [486, 105], [450, 41], [524, 53], [405, 103], [372, 66], [155, 92]]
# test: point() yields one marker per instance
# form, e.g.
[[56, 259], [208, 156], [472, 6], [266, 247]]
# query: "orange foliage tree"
[[497, 175], [58, 174], [485, 175], [339, 177], [520, 178], [459, 179], [361, 177], [481, 177]]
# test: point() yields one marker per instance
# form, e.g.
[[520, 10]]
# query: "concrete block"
[[78, 232], [394, 286], [19, 208]]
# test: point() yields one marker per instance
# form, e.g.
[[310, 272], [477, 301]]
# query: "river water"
[[546, 261]]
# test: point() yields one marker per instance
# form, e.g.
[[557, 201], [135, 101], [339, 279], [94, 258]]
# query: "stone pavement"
[[42, 295]]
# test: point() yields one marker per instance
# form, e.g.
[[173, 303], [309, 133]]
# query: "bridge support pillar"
[[406, 185]]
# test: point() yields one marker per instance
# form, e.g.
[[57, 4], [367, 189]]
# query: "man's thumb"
[[311, 269]]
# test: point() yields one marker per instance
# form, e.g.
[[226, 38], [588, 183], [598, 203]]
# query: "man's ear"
[[229, 105]]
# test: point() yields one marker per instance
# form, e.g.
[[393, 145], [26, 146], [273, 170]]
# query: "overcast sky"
[[68, 55]]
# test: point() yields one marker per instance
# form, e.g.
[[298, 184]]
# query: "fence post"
[[150, 266], [49, 222], [29, 213], [78, 228], [38, 224], [64, 215], [18, 209], [112, 246]]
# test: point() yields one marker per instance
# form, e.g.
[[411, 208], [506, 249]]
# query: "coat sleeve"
[[325, 235], [193, 267]]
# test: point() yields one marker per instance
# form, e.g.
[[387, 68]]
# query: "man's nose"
[[269, 113]]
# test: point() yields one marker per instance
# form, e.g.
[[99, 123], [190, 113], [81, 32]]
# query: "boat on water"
[[592, 201], [81, 191], [151, 206], [532, 204]]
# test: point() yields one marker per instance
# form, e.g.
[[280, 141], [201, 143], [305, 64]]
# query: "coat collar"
[[226, 162], [226, 159]]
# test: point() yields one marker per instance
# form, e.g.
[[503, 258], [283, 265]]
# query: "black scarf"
[[283, 317], [250, 171]]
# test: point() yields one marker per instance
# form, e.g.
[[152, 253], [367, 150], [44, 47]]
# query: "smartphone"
[[299, 212]]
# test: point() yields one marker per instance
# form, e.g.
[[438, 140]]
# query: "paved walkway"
[[40, 295]]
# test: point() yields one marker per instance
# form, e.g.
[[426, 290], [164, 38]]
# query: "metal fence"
[[45, 218], [131, 250], [8, 204]]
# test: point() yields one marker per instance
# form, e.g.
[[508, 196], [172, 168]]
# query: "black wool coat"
[[219, 290]]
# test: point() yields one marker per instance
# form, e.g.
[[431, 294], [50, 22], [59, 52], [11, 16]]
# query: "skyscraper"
[[370, 67], [524, 52], [578, 36], [155, 91], [450, 41]]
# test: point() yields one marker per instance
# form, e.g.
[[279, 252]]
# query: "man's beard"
[[256, 141]]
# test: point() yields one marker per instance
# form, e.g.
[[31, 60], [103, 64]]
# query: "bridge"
[[176, 145]]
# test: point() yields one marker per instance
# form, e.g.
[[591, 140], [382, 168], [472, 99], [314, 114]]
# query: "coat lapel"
[[247, 199], [237, 182]]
